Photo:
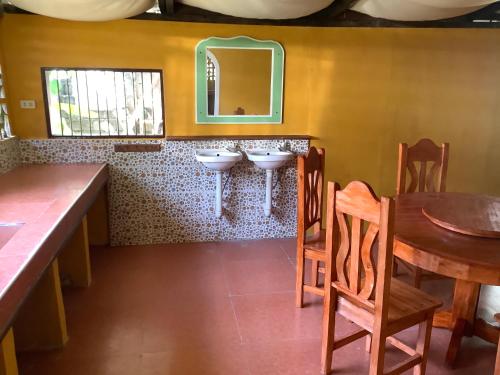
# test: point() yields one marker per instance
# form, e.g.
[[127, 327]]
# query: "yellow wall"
[[35, 41], [245, 80], [360, 91]]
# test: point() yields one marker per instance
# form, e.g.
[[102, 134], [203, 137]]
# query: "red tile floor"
[[211, 308]]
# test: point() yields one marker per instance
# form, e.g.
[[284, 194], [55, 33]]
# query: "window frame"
[[3, 105], [44, 69]]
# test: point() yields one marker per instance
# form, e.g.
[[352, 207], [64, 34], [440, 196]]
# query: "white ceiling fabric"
[[85, 10], [272, 9], [401, 10], [419, 10], [454, 3]]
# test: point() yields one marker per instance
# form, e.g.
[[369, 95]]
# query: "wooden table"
[[470, 260]]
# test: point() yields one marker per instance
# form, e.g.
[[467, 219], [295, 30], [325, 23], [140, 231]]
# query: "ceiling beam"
[[166, 7]]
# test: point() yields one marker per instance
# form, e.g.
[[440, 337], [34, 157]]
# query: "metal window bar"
[[107, 105], [79, 105], [152, 98], [59, 104], [89, 114], [143, 104], [116, 105], [89, 102], [98, 110], [69, 106], [135, 127], [125, 102]]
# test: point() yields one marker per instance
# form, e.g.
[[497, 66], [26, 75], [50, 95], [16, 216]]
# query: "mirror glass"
[[239, 80]]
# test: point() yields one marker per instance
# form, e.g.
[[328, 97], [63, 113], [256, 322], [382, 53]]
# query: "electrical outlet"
[[28, 104]]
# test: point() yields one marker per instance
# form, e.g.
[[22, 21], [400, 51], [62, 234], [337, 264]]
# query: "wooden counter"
[[47, 204]]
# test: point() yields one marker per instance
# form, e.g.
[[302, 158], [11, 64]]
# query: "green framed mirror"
[[239, 81]]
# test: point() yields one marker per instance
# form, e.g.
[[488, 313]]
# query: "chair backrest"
[[360, 226], [310, 176], [433, 166]]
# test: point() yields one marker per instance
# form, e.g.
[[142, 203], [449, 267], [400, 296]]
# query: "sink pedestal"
[[270, 160], [269, 193], [218, 161], [218, 193]]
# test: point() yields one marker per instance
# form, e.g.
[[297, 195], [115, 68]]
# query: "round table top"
[[472, 214], [436, 249]]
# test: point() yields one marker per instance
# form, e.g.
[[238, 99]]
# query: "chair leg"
[[299, 281], [314, 272], [395, 267], [423, 342], [377, 355], [497, 365], [417, 277], [368, 343], [328, 324]]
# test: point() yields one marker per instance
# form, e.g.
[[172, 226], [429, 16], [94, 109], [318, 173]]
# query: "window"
[[5, 131], [103, 102]]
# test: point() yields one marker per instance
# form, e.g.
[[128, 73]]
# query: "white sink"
[[219, 160], [269, 159]]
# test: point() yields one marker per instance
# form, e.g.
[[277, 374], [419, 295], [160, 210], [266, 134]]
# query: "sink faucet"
[[285, 146], [235, 148]]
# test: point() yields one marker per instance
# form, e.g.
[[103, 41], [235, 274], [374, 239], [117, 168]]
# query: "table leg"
[[98, 222], [74, 258], [41, 321], [465, 302], [8, 362]]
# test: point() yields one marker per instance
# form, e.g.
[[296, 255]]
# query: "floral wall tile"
[[169, 197], [10, 156]]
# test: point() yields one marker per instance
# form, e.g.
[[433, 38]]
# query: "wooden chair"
[[497, 365], [361, 289], [310, 175], [431, 177]]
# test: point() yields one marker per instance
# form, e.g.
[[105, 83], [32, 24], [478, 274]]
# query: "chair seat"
[[406, 304], [316, 241], [406, 300]]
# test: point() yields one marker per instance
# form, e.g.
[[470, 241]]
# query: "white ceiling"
[[402, 10], [85, 10], [270, 9], [419, 10]]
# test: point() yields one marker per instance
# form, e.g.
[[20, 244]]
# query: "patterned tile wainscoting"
[[169, 197], [10, 156]]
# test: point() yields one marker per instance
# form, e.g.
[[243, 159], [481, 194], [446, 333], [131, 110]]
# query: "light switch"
[[28, 104]]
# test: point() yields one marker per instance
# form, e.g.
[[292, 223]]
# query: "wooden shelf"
[[235, 137]]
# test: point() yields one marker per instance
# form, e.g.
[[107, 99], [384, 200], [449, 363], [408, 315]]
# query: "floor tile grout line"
[[283, 249], [289, 258], [289, 291], [221, 263], [294, 266], [236, 320], [277, 341]]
